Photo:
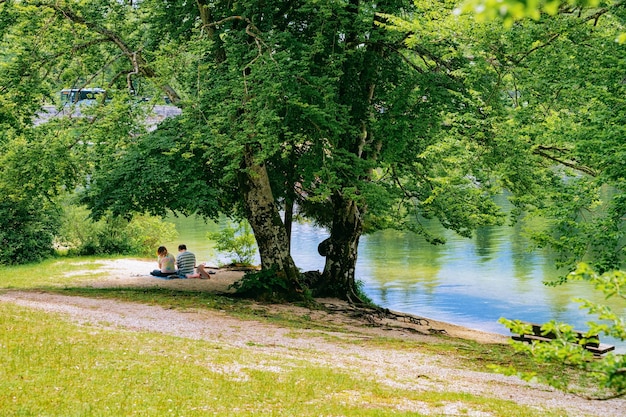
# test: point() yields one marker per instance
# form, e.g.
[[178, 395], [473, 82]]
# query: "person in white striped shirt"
[[185, 262]]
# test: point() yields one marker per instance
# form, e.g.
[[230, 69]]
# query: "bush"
[[238, 242], [146, 233], [80, 235], [608, 372], [27, 230], [262, 285]]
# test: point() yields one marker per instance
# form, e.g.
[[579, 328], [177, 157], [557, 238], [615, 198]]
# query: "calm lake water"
[[470, 282]]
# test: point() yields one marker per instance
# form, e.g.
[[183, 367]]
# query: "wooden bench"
[[539, 335]]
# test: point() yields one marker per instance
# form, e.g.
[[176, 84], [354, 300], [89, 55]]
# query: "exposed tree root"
[[384, 318]]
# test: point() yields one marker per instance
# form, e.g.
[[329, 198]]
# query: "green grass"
[[53, 272], [51, 367], [66, 276]]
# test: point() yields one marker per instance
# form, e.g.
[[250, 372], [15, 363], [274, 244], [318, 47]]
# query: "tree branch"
[[536, 48], [140, 66], [542, 151], [593, 17]]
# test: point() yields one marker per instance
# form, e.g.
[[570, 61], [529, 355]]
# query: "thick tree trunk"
[[341, 248], [289, 205], [264, 217]]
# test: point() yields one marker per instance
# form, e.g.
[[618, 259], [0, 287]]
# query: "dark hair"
[[162, 250], [182, 247]]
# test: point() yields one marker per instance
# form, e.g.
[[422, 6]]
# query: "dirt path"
[[411, 370]]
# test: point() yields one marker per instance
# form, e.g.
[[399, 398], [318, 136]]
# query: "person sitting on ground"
[[185, 261], [202, 272], [166, 262]]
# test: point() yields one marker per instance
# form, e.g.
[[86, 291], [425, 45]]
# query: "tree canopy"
[[564, 77], [360, 115], [326, 106]]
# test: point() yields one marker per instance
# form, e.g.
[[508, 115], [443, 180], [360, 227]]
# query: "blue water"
[[469, 282]]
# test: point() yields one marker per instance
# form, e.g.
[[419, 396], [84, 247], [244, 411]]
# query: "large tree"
[[319, 104], [322, 104], [418, 131]]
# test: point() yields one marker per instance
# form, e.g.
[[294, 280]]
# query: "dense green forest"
[[357, 115]]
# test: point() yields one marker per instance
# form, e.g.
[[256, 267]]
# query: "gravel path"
[[411, 370]]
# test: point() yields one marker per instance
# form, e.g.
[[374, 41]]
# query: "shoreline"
[[134, 273]]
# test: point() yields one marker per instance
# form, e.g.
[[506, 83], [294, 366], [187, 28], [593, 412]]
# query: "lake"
[[469, 282]]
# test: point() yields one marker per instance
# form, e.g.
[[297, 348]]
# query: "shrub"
[[609, 372], [27, 230], [81, 235], [238, 242], [146, 233], [264, 285]]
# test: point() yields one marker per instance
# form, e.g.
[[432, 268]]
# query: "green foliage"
[[564, 160], [512, 10], [149, 232], [610, 284], [41, 162], [27, 230], [237, 242], [567, 348], [34, 170], [263, 285], [360, 292], [561, 137], [155, 172], [82, 235]]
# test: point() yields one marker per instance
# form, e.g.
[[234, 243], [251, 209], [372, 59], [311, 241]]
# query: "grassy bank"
[[51, 273], [50, 366]]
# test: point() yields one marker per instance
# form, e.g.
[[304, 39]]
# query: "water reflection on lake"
[[470, 282]]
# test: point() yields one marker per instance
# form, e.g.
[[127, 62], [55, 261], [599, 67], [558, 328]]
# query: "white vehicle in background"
[[73, 100], [80, 96]]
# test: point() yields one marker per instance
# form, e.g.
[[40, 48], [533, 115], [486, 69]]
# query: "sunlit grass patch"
[[52, 367], [51, 272], [137, 363], [465, 353], [56, 272]]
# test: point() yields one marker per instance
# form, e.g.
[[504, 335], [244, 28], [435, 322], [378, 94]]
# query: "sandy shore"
[[133, 273]]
